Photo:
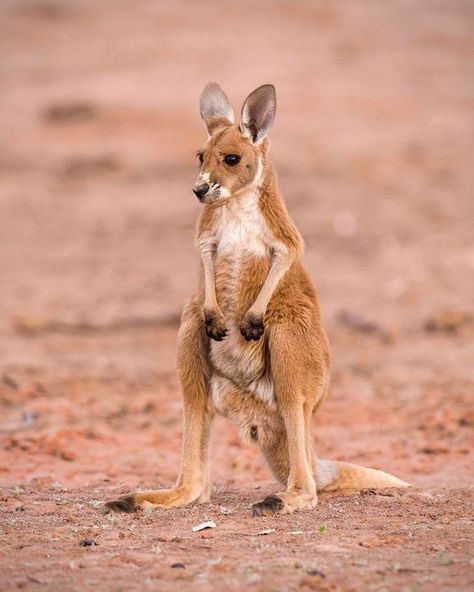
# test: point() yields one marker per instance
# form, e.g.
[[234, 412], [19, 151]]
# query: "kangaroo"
[[251, 345]]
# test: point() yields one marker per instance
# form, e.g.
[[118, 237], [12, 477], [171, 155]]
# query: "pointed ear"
[[215, 107], [258, 112]]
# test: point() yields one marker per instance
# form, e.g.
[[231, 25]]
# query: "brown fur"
[[251, 344]]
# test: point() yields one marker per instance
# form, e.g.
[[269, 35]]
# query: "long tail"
[[334, 474]]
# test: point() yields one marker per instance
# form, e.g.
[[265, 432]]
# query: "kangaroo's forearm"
[[210, 300], [281, 262], [207, 248], [213, 317]]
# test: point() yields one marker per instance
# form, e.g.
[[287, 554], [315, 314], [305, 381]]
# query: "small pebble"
[[204, 525], [178, 566], [88, 543], [316, 572]]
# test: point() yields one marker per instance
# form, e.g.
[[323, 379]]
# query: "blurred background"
[[373, 143]]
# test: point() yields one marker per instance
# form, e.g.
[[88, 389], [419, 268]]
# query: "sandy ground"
[[373, 141]]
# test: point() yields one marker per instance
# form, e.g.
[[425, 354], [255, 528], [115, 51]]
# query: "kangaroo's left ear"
[[215, 107], [258, 112]]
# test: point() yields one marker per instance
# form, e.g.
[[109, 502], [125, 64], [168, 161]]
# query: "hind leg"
[[290, 463], [295, 374], [275, 451], [192, 484]]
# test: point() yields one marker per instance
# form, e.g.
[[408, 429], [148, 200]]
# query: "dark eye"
[[232, 159], [200, 155]]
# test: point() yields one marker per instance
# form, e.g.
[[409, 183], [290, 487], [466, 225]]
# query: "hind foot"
[[284, 503], [164, 498]]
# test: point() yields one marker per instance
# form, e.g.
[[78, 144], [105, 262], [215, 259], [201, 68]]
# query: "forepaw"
[[215, 326], [272, 504], [252, 327]]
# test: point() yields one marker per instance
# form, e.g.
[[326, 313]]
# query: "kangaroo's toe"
[[272, 504], [123, 504]]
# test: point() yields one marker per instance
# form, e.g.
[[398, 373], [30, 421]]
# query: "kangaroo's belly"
[[244, 363], [253, 411], [239, 278]]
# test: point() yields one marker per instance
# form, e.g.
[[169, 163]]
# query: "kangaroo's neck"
[[263, 189], [275, 214]]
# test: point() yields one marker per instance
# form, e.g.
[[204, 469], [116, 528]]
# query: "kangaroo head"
[[232, 159]]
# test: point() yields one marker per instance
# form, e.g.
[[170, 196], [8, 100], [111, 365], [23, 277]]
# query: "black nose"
[[201, 190]]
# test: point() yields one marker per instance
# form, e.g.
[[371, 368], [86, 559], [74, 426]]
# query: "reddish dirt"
[[373, 142]]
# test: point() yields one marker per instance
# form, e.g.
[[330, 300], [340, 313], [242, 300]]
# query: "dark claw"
[[123, 504], [252, 327], [272, 504], [215, 329]]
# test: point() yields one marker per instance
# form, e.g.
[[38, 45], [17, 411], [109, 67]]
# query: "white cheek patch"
[[205, 177]]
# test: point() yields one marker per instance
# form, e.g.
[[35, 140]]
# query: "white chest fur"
[[242, 228]]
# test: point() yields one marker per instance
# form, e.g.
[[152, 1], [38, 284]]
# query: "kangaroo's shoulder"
[[277, 217]]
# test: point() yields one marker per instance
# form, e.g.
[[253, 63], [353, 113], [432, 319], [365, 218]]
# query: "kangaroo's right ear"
[[215, 107], [258, 112]]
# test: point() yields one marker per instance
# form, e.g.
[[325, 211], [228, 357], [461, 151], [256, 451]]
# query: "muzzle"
[[200, 190]]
